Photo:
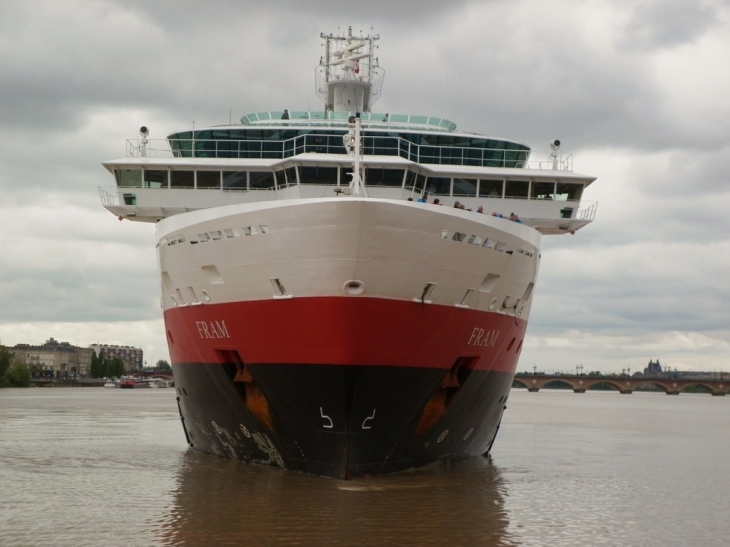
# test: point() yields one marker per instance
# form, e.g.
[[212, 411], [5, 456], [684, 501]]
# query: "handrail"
[[190, 198], [107, 198], [332, 144], [588, 212], [277, 116]]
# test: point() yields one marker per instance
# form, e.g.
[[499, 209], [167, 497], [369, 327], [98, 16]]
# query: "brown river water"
[[98, 467]]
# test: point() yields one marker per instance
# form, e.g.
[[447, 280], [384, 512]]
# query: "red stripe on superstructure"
[[344, 331]]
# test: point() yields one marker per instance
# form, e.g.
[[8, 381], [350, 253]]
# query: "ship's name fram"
[[212, 329], [481, 337]]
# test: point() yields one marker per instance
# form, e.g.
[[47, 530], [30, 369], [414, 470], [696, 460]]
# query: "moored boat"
[[131, 382], [345, 292], [159, 382]]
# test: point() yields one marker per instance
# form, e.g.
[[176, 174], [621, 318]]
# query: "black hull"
[[340, 421]]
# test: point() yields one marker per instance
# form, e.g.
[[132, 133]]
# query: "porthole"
[[354, 287]]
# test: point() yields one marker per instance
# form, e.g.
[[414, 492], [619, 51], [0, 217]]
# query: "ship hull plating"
[[415, 384]]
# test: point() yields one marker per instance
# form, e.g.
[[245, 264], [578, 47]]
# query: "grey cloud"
[[667, 23], [77, 75]]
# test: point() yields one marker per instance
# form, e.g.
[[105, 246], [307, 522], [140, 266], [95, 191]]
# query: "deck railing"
[[332, 144], [587, 210]]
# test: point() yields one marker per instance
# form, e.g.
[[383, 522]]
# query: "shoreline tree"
[[19, 375], [4, 366]]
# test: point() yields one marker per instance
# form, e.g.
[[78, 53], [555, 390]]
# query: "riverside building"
[[133, 357], [55, 359]]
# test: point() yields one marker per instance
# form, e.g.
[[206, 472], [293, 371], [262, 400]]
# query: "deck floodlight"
[[555, 145], [144, 131]]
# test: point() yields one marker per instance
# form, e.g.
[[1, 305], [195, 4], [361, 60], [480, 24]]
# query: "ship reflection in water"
[[220, 502]]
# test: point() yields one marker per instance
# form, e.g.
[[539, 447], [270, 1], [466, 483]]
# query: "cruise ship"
[[345, 293]]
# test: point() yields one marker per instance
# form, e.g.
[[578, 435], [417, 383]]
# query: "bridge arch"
[[520, 382], [603, 382], [704, 387], [663, 387], [558, 383]]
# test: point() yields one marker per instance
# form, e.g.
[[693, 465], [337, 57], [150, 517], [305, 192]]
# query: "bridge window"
[[287, 177], [182, 179], [543, 190], [376, 176], [410, 179], [182, 144], [129, 178], [234, 180], [380, 144], [155, 179], [440, 186], [209, 179], [465, 187], [517, 189], [261, 180], [567, 191], [490, 188], [318, 175]]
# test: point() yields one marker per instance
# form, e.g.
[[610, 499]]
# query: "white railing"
[[587, 210], [332, 144], [556, 164], [109, 199], [154, 148]]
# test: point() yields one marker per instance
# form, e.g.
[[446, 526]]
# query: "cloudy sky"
[[637, 91]]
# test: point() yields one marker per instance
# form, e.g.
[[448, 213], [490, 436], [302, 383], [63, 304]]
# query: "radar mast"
[[348, 78]]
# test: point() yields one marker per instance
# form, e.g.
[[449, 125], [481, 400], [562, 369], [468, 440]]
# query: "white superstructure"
[[303, 254]]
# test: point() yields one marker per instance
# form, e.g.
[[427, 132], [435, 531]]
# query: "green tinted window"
[[490, 188], [542, 190], [441, 186], [155, 179], [182, 179], [234, 180], [567, 191], [384, 177], [410, 179], [318, 175], [465, 187], [517, 189], [420, 182], [209, 179], [129, 178], [261, 180], [291, 175]]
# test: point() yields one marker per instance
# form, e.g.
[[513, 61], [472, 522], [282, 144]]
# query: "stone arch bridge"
[[624, 384]]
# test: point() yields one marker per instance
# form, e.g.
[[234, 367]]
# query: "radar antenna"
[[348, 78]]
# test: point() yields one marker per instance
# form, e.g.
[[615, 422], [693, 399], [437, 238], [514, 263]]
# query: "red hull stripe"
[[344, 331]]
